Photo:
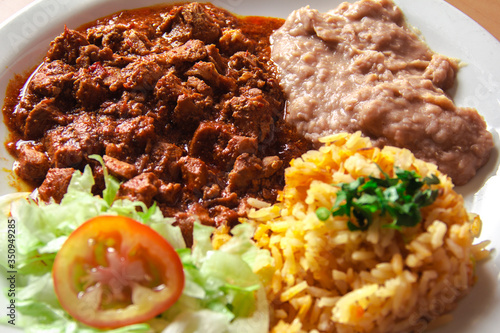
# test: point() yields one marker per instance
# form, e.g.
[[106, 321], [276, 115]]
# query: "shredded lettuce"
[[223, 290], [222, 293]]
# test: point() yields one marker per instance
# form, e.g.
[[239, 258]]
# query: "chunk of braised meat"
[[215, 143], [91, 54], [216, 216], [98, 174], [55, 184], [237, 146], [224, 216], [234, 40], [64, 152], [197, 213], [194, 173], [136, 42], [225, 198], [135, 133], [164, 159], [186, 221], [251, 173], [89, 88], [169, 87], [143, 188], [116, 150], [190, 21], [142, 74], [191, 51], [247, 168], [70, 146], [199, 86], [86, 130], [17, 119], [190, 108], [250, 72], [121, 38], [66, 47], [203, 26], [113, 79], [211, 191], [120, 169], [241, 62], [32, 164], [169, 193], [271, 165], [252, 114], [209, 140], [216, 58], [127, 139], [130, 105], [52, 78], [201, 213], [208, 72], [49, 80], [42, 118], [108, 35]]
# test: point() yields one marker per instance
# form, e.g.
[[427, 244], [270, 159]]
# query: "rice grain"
[[328, 278]]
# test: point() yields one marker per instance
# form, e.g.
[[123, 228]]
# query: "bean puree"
[[360, 67]]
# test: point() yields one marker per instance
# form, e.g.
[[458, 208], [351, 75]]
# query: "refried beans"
[[360, 67]]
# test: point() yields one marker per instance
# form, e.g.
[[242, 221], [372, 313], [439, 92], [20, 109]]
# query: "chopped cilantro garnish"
[[400, 197]]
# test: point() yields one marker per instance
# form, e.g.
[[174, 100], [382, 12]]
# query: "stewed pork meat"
[[181, 101]]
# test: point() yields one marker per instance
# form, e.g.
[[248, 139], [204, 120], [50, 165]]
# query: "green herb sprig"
[[400, 197]]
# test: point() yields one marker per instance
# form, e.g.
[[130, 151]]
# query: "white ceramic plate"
[[26, 36]]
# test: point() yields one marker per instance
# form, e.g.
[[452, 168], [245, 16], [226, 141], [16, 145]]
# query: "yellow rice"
[[329, 279]]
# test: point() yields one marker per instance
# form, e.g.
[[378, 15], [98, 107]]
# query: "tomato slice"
[[113, 271]]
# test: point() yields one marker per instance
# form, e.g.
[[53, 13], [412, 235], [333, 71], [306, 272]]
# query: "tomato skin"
[[113, 271]]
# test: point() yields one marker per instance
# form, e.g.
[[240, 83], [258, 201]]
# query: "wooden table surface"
[[485, 12]]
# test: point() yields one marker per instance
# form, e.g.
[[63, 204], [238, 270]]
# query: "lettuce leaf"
[[223, 290]]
